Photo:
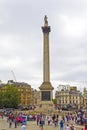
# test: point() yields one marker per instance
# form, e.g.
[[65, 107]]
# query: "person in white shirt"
[[23, 127], [67, 127]]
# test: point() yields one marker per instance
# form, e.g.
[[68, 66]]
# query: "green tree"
[[54, 101], [1, 99], [11, 96]]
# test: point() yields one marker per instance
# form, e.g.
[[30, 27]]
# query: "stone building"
[[69, 95], [36, 97], [25, 92], [85, 98]]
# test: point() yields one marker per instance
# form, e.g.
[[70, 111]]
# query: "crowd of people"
[[66, 121], [14, 118]]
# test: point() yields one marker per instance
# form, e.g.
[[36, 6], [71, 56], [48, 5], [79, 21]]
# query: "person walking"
[[10, 123], [85, 127], [23, 127], [72, 127]]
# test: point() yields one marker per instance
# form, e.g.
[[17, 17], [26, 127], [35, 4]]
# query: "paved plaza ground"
[[31, 125]]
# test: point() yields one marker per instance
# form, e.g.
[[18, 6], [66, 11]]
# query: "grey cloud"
[[21, 40]]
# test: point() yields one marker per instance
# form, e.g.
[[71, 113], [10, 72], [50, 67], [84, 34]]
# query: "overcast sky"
[[21, 41]]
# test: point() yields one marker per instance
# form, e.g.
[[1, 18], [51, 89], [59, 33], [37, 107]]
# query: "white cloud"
[[21, 40], [73, 27]]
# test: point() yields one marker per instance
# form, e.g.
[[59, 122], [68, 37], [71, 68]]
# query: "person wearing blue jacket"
[[61, 125], [42, 123]]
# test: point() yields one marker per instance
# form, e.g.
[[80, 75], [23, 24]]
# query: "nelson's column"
[[46, 89]]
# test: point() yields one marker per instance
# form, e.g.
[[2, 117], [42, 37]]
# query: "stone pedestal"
[[46, 96], [45, 107], [46, 90]]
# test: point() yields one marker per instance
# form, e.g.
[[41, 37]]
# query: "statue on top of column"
[[45, 21]]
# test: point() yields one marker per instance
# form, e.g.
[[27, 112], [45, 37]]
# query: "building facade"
[[37, 98], [25, 92], [85, 98], [69, 95]]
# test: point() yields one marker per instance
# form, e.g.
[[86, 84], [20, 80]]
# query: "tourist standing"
[[67, 127], [42, 123], [61, 125]]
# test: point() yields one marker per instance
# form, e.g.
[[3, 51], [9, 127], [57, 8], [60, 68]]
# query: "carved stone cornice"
[[46, 86]]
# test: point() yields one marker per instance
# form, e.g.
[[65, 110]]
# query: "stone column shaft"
[[46, 66]]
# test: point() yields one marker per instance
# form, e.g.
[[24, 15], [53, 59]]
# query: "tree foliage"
[[54, 101], [10, 97]]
